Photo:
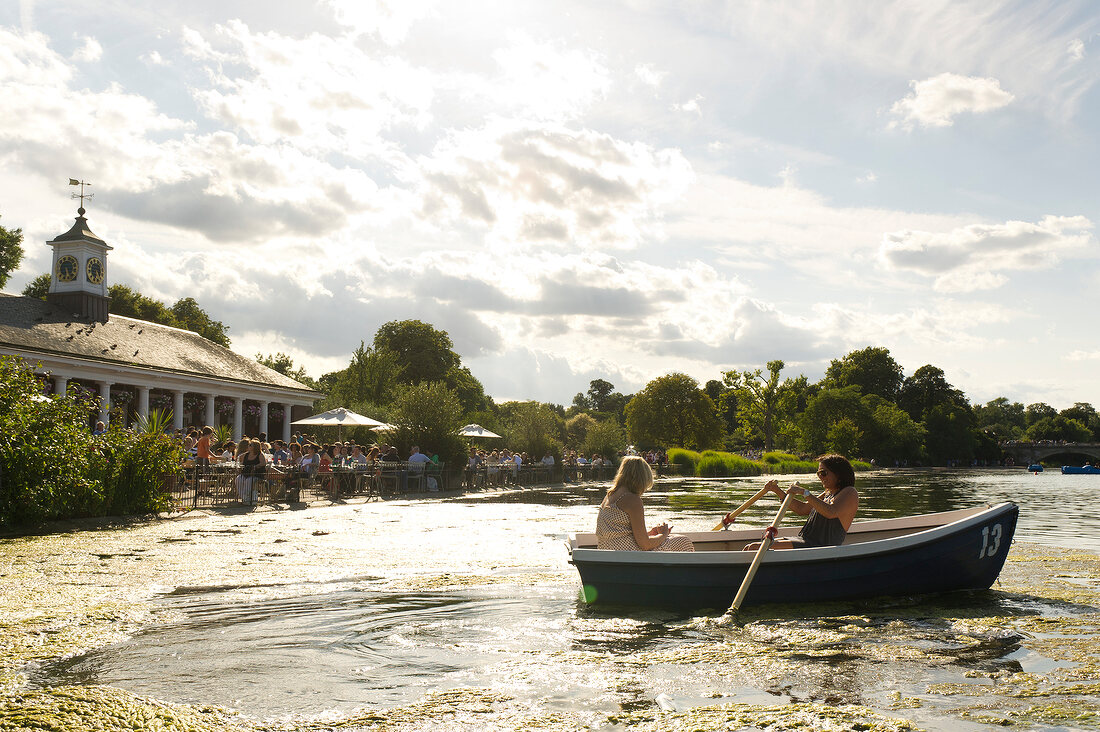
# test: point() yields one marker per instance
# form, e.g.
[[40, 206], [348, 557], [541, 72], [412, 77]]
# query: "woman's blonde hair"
[[634, 475]]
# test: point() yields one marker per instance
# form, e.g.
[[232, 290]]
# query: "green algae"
[[68, 708], [778, 718]]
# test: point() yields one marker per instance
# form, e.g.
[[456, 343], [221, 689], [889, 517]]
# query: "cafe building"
[[133, 366]]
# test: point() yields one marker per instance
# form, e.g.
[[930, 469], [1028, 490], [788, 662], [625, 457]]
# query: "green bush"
[[686, 459], [713, 464], [51, 467]]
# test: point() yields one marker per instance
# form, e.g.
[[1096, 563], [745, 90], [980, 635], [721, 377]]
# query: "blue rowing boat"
[[912, 555], [1080, 470]]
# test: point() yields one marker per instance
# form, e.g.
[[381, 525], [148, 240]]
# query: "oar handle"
[[765, 544], [729, 517]]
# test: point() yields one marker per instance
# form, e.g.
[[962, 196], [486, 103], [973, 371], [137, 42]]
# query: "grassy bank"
[[714, 464]]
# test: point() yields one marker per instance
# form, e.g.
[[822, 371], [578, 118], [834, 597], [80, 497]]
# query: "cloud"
[[648, 75], [691, 106], [546, 80], [525, 184], [388, 21], [88, 52], [935, 102], [1076, 49], [970, 257], [1083, 356]]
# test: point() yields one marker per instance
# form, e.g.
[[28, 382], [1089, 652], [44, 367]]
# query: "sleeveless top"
[[252, 467], [821, 531], [613, 532]]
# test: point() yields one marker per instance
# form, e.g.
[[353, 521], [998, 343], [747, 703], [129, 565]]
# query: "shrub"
[[51, 467], [686, 459], [713, 464], [775, 458]]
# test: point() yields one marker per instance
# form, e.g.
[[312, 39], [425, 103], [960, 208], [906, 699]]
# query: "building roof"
[[79, 232], [30, 325]]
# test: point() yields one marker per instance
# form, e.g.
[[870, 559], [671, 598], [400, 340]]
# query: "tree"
[[130, 303], [1005, 419], [1084, 413], [38, 288], [532, 427], [826, 409], [873, 370], [892, 433], [576, 429], [467, 388], [371, 377], [843, 437], [284, 364], [598, 392], [428, 414], [927, 389], [763, 404], [11, 252], [672, 411], [951, 432], [1059, 428], [190, 316], [605, 437], [424, 352], [1037, 411]]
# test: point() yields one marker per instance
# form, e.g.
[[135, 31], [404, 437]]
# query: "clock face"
[[67, 268], [95, 271]]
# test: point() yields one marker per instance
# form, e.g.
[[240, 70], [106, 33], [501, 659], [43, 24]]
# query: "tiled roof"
[[34, 326]]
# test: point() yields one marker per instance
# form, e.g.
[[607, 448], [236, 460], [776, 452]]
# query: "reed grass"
[[716, 464]]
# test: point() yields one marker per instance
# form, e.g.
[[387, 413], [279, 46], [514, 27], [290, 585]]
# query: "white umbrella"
[[338, 418], [384, 427], [476, 430]]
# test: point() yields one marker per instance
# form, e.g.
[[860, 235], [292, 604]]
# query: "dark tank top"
[[821, 531]]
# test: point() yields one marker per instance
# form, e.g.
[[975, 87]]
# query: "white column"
[[104, 401], [177, 409], [60, 383], [286, 422], [211, 418], [263, 418], [238, 418], [143, 401]]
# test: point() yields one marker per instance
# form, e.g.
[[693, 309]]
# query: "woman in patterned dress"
[[620, 523]]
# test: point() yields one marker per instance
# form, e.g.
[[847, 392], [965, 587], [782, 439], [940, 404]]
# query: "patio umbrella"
[[476, 430], [384, 427], [338, 418]]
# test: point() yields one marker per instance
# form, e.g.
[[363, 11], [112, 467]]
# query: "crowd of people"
[[302, 458]]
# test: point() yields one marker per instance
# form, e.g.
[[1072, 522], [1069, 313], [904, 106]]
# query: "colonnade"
[[61, 384]]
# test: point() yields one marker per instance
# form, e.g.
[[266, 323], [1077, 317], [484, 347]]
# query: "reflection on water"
[[393, 601]]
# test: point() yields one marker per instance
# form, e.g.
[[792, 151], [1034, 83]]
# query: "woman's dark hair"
[[839, 466]]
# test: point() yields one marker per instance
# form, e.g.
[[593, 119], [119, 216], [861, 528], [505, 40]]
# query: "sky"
[[584, 189]]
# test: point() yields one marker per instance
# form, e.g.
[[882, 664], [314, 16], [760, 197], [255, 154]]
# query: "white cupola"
[[78, 278]]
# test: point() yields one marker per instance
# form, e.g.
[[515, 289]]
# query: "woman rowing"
[[831, 512]]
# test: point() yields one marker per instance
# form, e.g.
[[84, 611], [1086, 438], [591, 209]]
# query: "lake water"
[[464, 613]]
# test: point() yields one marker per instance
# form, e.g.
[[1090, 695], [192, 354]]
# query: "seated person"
[[620, 523], [831, 512]]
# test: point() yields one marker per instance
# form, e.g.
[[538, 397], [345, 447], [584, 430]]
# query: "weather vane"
[[82, 195]]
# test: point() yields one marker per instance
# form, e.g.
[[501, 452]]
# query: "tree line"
[[865, 406]]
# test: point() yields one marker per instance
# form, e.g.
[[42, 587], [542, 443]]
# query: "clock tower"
[[79, 273]]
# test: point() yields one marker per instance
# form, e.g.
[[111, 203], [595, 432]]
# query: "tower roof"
[[80, 232]]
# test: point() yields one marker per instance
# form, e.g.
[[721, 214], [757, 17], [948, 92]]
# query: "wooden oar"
[[765, 544], [729, 517]]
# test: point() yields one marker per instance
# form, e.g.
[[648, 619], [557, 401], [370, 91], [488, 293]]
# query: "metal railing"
[[225, 484]]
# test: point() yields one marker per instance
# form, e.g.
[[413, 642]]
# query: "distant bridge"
[[1033, 452]]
